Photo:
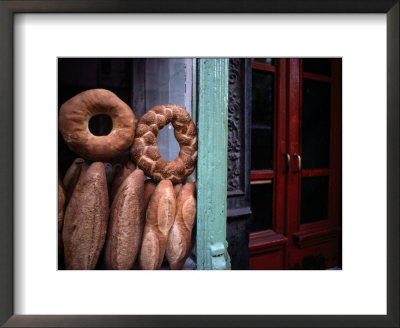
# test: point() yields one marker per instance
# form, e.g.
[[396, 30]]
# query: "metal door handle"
[[287, 162], [298, 162]]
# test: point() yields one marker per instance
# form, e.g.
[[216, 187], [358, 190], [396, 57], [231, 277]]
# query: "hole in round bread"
[[167, 143], [100, 125]]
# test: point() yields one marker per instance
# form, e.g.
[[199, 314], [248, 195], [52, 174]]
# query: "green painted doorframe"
[[212, 122]]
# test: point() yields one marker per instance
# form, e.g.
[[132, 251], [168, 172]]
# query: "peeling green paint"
[[212, 120]]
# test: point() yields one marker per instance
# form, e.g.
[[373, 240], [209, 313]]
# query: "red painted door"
[[295, 164]]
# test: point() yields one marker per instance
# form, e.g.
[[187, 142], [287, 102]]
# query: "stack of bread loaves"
[[121, 216]]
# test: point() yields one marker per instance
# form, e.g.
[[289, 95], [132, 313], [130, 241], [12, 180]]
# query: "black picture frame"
[[7, 11]]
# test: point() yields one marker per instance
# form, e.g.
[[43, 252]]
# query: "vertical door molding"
[[211, 245]]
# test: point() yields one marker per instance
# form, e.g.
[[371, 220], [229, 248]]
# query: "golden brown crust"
[[179, 238], [145, 150], [61, 204], [126, 223], [73, 124], [71, 177], [159, 219], [119, 178], [86, 219]]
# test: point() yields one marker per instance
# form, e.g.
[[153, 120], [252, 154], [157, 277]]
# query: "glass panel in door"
[[315, 146]]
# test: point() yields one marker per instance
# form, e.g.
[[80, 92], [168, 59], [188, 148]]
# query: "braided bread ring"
[[73, 122], [145, 152]]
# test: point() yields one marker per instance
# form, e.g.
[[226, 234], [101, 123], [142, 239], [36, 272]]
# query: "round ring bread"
[[74, 119], [145, 152]]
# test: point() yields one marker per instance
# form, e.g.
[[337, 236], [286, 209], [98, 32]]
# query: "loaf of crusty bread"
[[159, 219], [86, 219], [126, 224], [71, 177], [126, 170], [61, 204], [179, 238]]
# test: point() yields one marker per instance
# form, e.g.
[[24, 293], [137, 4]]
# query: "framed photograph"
[[347, 55]]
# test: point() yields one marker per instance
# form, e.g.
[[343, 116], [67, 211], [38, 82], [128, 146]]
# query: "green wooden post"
[[212, 122]]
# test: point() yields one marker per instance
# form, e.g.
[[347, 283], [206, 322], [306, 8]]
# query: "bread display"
[[146, 154], [160, 216], [179, 239], [118, 200], [74, 119], [126, 223], [86, 219]]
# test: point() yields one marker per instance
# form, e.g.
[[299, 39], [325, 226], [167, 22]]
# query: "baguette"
[[126, 224], [71, 177], [180, 235], [119, 178], [159, 219], [86, 218]]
